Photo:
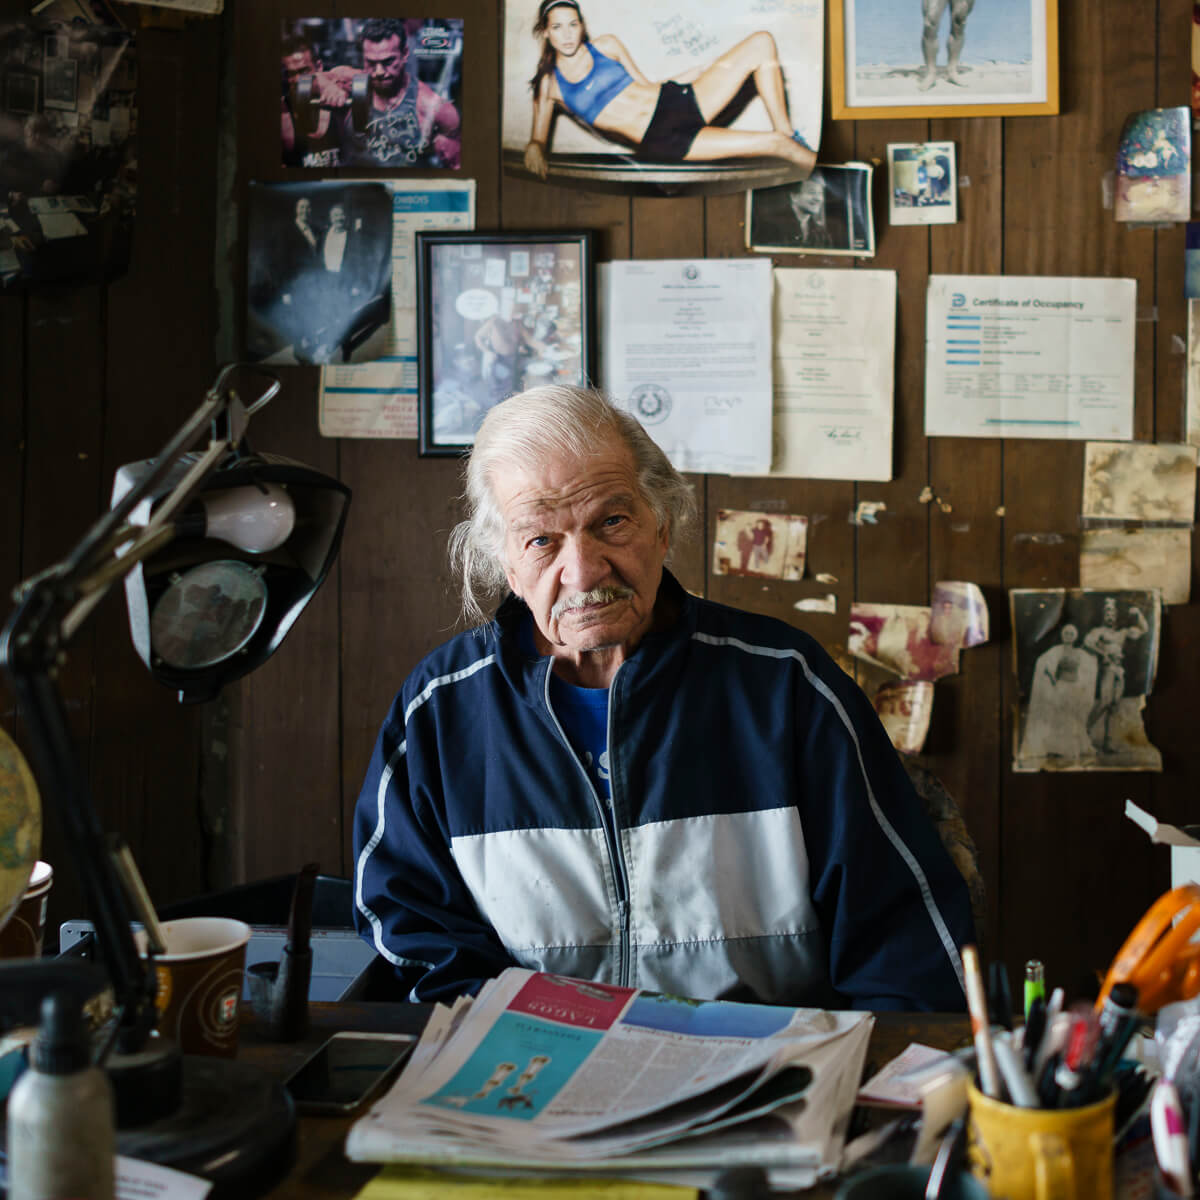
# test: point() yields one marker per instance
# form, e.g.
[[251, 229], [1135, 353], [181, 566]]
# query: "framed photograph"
[[827, 213], [497, 313], [60, 79], [922, 183], [943, 58]]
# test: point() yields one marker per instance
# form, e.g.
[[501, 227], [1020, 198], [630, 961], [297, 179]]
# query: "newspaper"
[[547, 1072]]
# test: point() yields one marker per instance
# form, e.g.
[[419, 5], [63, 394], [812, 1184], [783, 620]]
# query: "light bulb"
[[254, 519]]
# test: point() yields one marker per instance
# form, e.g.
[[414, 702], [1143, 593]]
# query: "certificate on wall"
[[686, 349], [835, 345], [1029, 356]]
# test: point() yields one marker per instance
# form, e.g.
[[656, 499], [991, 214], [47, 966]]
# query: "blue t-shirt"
[[584, 716]]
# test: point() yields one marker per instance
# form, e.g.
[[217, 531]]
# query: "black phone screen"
[[346, 1069]]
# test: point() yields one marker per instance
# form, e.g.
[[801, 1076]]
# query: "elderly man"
[[618, 781]]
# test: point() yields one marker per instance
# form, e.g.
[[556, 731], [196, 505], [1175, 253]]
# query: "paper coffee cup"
[[200, 983], [22, 936]]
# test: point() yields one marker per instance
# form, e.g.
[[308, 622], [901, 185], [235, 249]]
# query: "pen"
[[1170, 1138], [989, 1073], [1020, 1088], [1035, 984], [1119, 1021], [1052, 1038], [1000, 1008], [1035, 1028]]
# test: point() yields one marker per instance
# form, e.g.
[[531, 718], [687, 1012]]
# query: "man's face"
[[300, 63], [337, 217], [384, 62], [303, 210], [808, 198], [583, 550]]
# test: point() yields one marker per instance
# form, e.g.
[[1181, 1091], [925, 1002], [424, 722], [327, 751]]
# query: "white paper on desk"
[[61, 225], [835, 343], [135, 1179], [687, 350], [378, 399], [1029, 356]]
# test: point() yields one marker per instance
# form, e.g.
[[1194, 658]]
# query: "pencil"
[[989, 1072]]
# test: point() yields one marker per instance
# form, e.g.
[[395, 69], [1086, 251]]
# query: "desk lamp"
[[220, 548]]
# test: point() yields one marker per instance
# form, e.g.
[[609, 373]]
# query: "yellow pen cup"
[[1041, 1153]]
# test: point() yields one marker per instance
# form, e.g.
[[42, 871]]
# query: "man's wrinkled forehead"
[[526, 513]]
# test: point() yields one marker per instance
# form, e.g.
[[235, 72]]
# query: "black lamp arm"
[[51, 608]]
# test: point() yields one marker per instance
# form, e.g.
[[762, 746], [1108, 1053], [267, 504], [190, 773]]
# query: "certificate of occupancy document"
[[1032, 356], [687, 350], [835, 347]]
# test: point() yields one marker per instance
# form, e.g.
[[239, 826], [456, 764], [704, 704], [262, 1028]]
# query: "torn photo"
[[1085, 662], [897, 637], [768, 545]]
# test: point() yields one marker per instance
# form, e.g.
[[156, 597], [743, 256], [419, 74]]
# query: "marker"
[[989, 1072], [1071, 1077], [1170, 1138], [1035, 984], [1035, 1029]]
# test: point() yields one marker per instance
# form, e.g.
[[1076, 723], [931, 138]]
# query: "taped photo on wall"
[[828, 213], [371, 92], [653, 97]]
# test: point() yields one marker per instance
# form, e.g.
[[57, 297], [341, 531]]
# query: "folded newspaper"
[[547, 1072]]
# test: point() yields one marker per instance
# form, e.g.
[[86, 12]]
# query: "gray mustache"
[[600, 595]]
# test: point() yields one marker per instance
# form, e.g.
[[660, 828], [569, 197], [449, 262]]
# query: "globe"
[[20, 826]]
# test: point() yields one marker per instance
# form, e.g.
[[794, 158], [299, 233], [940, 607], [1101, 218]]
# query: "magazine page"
[[547, 1069]]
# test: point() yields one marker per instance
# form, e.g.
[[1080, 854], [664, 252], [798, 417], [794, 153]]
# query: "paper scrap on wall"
[[1139, 481], [905, 708], [1085, 662], [766, 545], [897, 637], [960, 614], [1193, 373], [1138, 558]]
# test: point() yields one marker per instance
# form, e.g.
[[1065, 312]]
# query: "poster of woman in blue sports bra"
[[666, 98]]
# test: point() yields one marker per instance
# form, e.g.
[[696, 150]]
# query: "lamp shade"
[[247, 555]]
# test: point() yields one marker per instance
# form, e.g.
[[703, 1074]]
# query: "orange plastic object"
[[1159, 957]]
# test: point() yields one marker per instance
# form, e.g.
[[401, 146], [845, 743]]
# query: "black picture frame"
[[498, 313]]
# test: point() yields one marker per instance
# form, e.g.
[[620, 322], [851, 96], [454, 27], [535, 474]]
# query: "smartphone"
[[347, 1071]]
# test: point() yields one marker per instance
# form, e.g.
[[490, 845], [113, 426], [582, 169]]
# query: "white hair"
[[535, 427]]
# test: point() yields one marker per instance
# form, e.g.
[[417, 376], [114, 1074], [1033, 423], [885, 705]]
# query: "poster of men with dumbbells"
[[371, 92]]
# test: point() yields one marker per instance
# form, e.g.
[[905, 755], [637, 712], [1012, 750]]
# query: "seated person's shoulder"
[[462, 653], [720, 620]]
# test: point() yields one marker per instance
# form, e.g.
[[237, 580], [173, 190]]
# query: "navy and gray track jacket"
[[763, 841]]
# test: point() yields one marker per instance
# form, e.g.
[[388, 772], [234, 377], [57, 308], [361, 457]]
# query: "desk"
[[322, 1173]]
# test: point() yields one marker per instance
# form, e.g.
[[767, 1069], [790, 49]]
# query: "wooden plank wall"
[[268, 779]]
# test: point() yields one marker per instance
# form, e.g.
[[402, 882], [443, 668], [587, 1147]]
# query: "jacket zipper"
[[608, 822]]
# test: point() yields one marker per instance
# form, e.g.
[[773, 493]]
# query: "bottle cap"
[[63, 1044]]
